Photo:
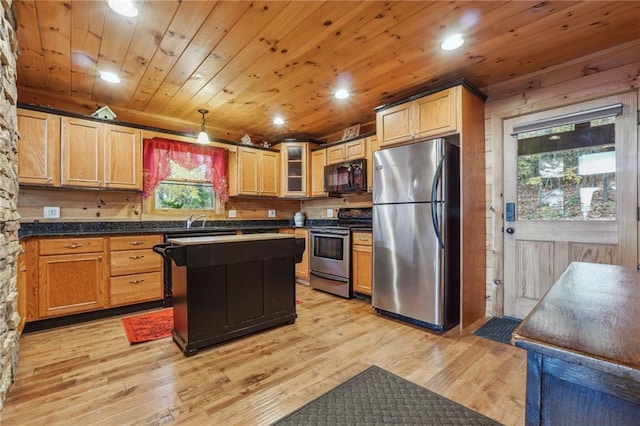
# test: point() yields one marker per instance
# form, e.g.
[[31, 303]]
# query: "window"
[[184, 189], [184, 176], [568, 172]]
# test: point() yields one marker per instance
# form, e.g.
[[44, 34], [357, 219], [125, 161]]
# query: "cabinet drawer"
[[134, 242], [70, 245], [362, 238], [136, 288], [134, 262]]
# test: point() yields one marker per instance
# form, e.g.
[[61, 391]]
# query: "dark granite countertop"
[[74, 229]]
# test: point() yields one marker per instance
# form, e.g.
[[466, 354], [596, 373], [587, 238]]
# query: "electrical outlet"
[[52, 212], [329, 212], [233, 213], [272, 213]]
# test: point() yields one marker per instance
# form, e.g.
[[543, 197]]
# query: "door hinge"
[[638, 116]]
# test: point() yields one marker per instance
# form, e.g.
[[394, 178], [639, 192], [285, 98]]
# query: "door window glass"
[[568, 172]]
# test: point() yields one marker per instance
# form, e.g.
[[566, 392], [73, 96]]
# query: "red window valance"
[[156, 155]]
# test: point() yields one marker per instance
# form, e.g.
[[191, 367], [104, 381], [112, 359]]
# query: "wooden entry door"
[[572, 182]]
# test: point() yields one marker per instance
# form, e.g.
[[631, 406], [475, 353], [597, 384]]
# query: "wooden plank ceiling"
[[247, 62]]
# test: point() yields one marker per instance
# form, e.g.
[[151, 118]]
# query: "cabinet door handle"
[[363, 239], [23, 269], [135, 281], [136, 257], [136, 243], [72, 246]]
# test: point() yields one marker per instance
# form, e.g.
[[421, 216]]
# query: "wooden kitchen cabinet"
[[38, 148], [136, 271], [302, 267], [21, 287], [71, 276], [318, 161], [258, 172], [371, 143], [295, 158], [428, 116], [362, 262], [347, 151], [98, 155]]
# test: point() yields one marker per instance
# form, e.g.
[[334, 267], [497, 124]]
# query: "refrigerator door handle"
[[434, 202]]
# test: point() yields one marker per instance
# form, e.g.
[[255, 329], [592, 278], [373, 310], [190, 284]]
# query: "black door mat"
[[378, 397], [498, 329]]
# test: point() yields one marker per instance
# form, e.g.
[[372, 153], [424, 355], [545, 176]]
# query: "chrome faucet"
[[192, 219]]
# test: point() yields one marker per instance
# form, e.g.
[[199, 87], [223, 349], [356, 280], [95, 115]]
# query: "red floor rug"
[[150, 326]]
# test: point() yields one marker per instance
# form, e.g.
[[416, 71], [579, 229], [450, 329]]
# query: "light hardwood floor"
[[89, 374]]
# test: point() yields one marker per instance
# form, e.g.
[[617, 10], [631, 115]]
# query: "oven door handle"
[[329, 276]]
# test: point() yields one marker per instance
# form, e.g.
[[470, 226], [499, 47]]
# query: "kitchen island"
[[583, 344], [229, 286]]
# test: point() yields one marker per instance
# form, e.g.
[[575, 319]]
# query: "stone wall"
[[9, 244]]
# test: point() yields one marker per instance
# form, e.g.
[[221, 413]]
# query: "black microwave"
[[344, 178]]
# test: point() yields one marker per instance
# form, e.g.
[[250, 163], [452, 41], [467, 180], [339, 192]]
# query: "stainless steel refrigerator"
[[416, 232]]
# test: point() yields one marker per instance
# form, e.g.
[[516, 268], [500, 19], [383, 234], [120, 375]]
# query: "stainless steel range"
[[330, 260]]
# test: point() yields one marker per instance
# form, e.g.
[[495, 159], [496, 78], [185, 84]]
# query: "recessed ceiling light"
[[123, 7], [342, 94], [279, 121], [452, 42], [109, 76]]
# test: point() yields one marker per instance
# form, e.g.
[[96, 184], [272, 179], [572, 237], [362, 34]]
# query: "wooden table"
[[583, 343]]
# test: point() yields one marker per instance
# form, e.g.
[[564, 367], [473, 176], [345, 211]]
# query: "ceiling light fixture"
[[203, 137], [452, 42], [342, 94], [278, 121], [109, 77], [125, 8]]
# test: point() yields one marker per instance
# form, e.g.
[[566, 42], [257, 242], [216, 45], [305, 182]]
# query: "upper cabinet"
[[318, 161], [73, 152], [371, 143], [428, 116], [296, 169], [98, 155], [258, 172], [346, 151], [38, 148]]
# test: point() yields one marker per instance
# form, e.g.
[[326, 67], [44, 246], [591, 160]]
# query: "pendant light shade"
[[202, 136]]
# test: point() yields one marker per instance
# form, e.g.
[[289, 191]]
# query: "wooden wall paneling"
[[317, 209], [80, 205], [256, 208], [590, 77]]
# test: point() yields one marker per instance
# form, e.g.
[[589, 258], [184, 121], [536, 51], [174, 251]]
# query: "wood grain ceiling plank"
[[31, 66], [117, 37], [256, 16], [219, 22], [380, 29], [87, 26], [153, 21], [54, 20], [303, 58], [186, 22]]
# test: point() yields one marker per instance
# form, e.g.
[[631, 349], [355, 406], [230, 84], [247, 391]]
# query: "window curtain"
[[156, 155]]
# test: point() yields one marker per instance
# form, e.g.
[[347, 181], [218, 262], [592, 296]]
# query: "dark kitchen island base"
[[228, 287]]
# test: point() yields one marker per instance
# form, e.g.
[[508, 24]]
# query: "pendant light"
[[202, 136]]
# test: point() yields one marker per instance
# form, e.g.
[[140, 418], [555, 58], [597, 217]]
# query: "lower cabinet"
[[136, 271], [362, 262], [302, 267], [71, 276]]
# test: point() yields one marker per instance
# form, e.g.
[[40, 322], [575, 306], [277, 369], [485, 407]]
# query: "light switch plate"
[[329, 212], [272, 213], [233, 213], [52, 212]]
